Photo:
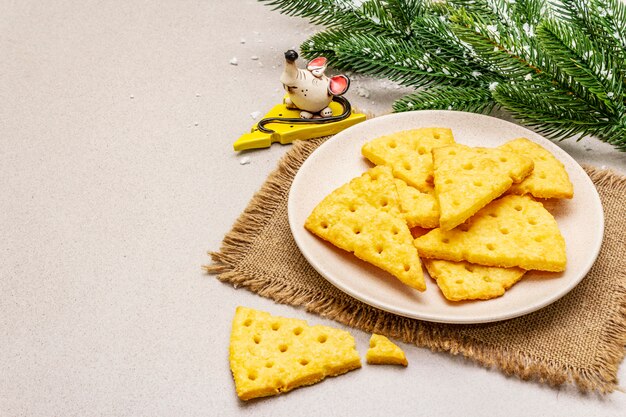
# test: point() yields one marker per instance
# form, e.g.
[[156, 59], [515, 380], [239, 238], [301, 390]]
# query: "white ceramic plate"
[[334, 163]]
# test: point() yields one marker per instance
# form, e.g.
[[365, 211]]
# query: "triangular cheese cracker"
[[419, 208], [511, 231], [465, 281], [408, 153], [467, 179], [549, 179], [383, 351], [363, 217], [270, 355]]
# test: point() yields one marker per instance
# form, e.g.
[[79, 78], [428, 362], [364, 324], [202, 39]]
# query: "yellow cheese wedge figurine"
[[313, 107], [383, 351]]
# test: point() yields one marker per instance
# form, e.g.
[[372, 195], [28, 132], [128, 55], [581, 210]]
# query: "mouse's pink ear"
[[318, 63], [338, 85]]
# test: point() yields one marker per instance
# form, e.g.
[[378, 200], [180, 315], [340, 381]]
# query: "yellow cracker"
[[419, 208], [383, 351], [467, 179], [270, 355], [549, 179], [465, 281], [408, 153], [511, 231], [353, 218]]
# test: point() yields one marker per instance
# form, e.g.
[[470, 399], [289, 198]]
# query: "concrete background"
[[116, 127]]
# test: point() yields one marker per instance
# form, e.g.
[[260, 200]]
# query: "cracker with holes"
[[467, 179], [419, 208], [408, 153], [363, 217], [513, 231], [549, 179], [460, 281], [270, 355], [383, 351]]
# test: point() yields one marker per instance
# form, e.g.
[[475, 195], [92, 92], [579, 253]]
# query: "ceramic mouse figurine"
[[309, 90]]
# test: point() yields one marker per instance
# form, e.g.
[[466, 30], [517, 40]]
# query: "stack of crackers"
[[475, 216]]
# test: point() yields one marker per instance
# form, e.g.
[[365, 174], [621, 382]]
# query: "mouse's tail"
[[347, 109]]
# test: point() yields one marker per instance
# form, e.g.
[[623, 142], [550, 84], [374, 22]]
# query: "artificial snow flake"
[[528, 30], [528, 77], [493, 85]]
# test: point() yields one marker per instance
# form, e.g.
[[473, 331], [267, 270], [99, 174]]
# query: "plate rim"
[[552, 147]]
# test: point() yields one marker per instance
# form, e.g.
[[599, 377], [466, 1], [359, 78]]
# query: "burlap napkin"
[[579, 339]]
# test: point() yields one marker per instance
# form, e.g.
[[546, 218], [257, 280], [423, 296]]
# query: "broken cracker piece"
[[383, 351], [270, 355]]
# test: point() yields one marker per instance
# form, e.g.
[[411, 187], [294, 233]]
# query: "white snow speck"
[[197, 94], [610, 94], [493, 85], [196, 123], [528, 77], [254, 58], [528, 30], [233, 61], [242, 40], [255, 114], [244, 161], [476, 74], [132, 96]]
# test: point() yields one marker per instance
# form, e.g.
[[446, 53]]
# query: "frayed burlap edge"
[[600, 377]]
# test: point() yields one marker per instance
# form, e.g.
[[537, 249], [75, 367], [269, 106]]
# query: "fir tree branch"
[[399, 60], [553, 113], [560, 68], [323, 12], [471, 99], [593, 79], [603, 21]]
